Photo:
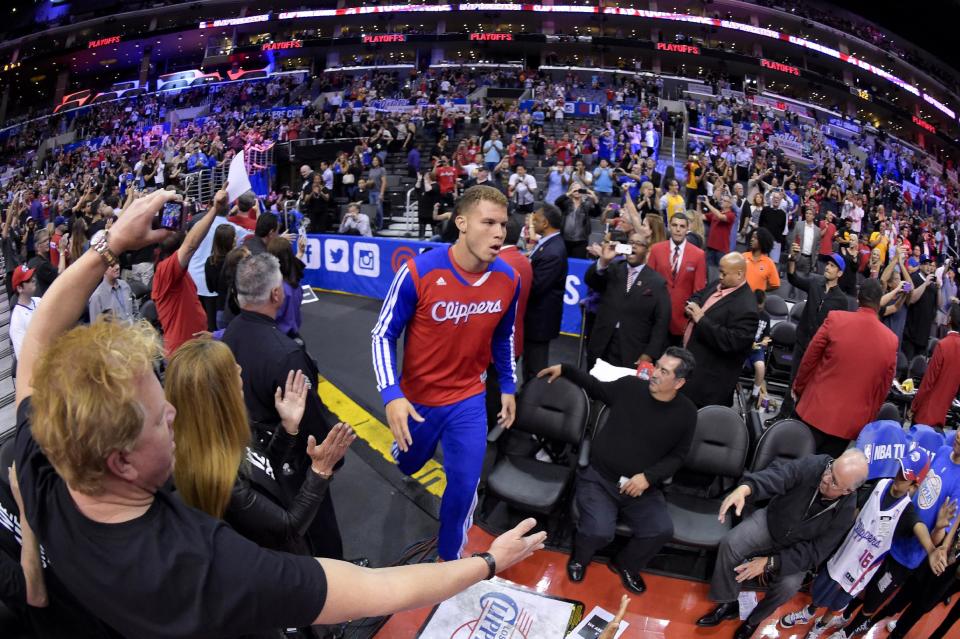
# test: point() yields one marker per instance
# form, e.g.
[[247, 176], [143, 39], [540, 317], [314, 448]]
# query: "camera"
[[171, 216], [620, 237], [582, 191]]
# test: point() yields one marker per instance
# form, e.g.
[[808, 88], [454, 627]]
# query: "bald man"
[[812, 505], [723, 323]]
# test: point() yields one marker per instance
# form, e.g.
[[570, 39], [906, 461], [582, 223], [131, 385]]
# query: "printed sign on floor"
[[497, 608]]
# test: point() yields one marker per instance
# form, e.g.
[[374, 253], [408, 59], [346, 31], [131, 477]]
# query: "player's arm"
[[504, 358], [398, 307]]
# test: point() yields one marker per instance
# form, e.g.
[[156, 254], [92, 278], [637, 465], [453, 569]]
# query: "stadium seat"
[[796, 311], [776, 307], [785, 440], [902, 365], [719, 449], [889, 411], [557, 413], [148, 311], [783, 336], [918, 367], [622, 529], [932, 344]]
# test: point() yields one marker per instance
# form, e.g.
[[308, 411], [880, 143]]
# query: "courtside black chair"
[[622, 529], [557, 414], [932, 344], [796, 311], [918, 368], [783, 336], [719, 449], [902, 366], [777, 307], [785, 440]]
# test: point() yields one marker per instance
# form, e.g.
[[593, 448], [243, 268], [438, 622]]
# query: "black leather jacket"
[[261, 511]]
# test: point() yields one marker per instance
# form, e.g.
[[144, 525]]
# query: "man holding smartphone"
[[922, 309]]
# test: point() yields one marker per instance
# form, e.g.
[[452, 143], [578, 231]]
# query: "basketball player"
[[456, 305]]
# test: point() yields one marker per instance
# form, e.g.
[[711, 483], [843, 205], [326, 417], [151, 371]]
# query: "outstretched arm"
[[67, 297]]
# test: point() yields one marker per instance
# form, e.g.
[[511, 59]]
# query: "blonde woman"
[[696, 234], [221, 471]]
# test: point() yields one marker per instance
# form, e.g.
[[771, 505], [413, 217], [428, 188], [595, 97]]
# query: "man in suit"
[[942, 379], [541, 322], [846, 372], [806, 234], [723, 322], [634, 307], [683, 267]]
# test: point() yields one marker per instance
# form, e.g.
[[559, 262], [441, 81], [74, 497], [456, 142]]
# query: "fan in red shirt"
[[174, 291], [446, 177]]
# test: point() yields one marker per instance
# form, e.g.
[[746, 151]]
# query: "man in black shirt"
[[774, 219], [629, 460], [920, 314]]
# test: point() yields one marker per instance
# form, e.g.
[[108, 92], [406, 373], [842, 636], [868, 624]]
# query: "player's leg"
[[425, 436], [464, 441]]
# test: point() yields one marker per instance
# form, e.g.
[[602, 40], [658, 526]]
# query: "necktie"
[[675, 260], [632, 274]]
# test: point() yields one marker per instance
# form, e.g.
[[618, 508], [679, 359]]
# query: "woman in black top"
[[224, 239], [223, 471]]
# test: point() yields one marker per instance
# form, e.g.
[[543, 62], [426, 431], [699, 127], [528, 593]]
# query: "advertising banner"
[[366, 266]]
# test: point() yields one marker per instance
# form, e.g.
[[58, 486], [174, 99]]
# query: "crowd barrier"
[[366, 266]]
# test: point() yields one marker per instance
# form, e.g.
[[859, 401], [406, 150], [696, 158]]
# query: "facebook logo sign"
[[312, 254], [366, 259], [336, 255]]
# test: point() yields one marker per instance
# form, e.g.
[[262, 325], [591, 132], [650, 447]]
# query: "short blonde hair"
[[480, 193], [85, 399]]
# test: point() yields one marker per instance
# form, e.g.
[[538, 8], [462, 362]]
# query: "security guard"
[[266, 356]]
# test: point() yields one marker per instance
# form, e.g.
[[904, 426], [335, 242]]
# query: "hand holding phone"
[[171, 216]]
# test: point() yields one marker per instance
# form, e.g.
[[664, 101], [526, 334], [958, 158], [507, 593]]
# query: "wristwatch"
[[491, 563], [99, 242]]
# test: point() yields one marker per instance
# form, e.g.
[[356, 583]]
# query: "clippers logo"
[[457, 311], [500, 616], [491, 37], [929, 491]]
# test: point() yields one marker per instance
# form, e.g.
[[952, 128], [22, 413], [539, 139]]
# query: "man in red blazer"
[[684, 277], [942, 379], [846, 372]]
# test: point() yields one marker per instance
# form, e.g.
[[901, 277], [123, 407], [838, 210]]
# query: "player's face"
[[484, 230]]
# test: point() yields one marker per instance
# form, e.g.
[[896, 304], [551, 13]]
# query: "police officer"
[[266, 356]]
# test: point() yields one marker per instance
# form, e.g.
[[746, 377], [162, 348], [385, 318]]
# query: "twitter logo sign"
[[336, 256]]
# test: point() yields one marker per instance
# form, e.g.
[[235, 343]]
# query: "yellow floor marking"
[[377, 434]]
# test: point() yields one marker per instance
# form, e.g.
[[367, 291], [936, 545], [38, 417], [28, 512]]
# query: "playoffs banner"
[[366, 266]]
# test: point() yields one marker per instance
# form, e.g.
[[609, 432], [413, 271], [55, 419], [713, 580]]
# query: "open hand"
[[513, 547], [291, 401], [736, 499], [508, 410], [610, 631], [948, 509], [551, 373], [325, 456], [399, 411]]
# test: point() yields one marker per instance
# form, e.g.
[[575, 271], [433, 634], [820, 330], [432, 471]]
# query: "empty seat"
[[902, 365], [783, 337], [787, 439], [918, 367], [932, 344], [719, 448], [796, 312], [557, 413], [776, 307]]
